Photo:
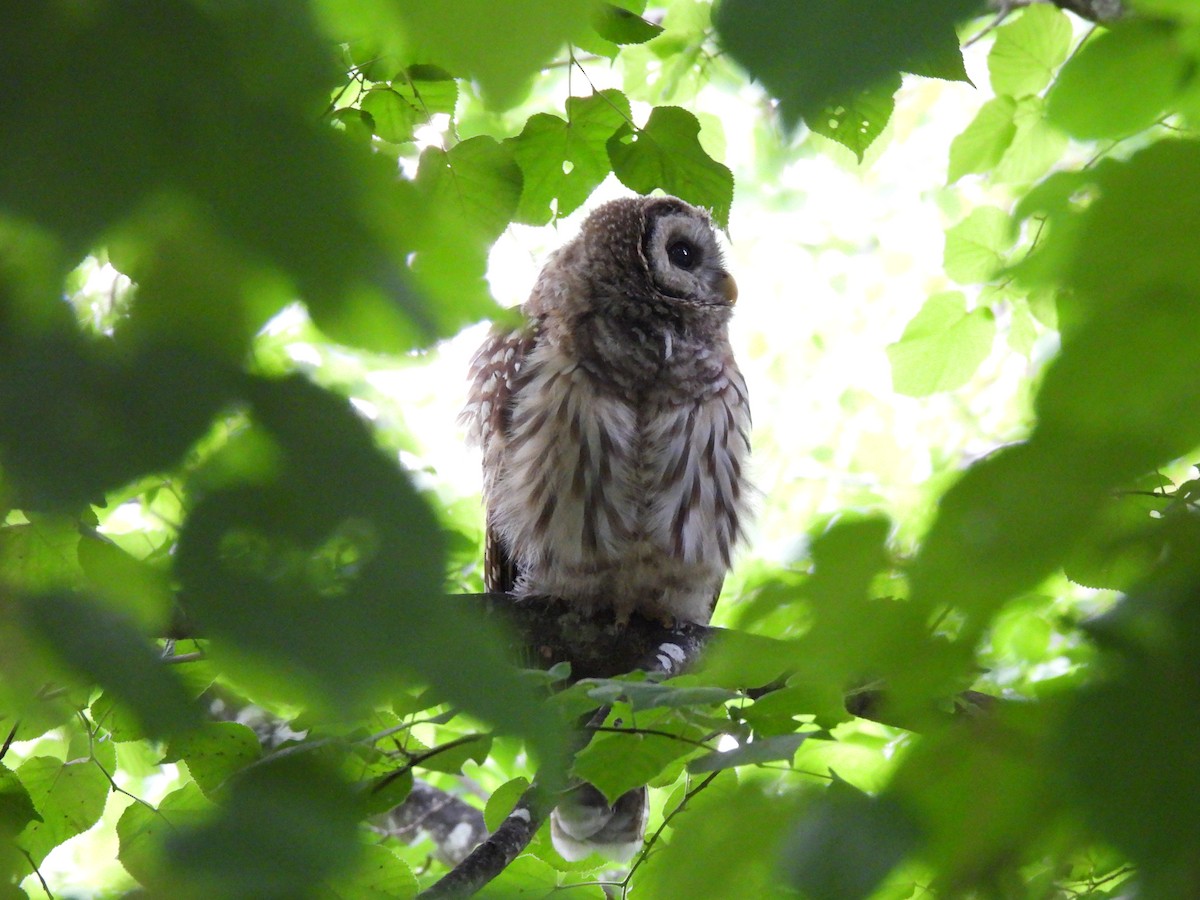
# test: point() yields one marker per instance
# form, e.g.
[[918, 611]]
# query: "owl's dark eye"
[[683, 255]]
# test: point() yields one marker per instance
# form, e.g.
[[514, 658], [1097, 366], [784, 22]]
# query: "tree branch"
[[1102, 11]]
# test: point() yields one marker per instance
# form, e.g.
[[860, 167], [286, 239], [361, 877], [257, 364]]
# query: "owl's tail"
[[583, 823]]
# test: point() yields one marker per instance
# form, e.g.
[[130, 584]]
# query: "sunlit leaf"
[[984, 141], [975, 246], [666, 153], [393, 116], [1028, 50], [564, 161], [941, 347]]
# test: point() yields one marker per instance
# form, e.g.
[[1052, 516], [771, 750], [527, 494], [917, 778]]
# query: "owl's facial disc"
[[685, 259]]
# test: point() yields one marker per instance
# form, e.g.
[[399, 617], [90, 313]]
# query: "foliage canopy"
[[220, 161]]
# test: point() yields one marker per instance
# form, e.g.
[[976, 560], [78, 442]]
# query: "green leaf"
[[428, 89], [125, 583], [69, 798], [526, 877], [713, 850], [75, 421], [810, 53], [393, 116], [563, 162], [1149, 641], [40, 554], [739, 659], [477, 182], [1036, 147], [16, 806], [941, 59], [975, 246], [142, 832], [344, 561], [764, 750], [452, 759], [622, 26], [844, 846], [1120, 82], [666, 153], [313, 832], [107, 648], [618, 762], [463, 37], [378, 874], [1028, 50], [502, 802], [1136, 236], [982, 144], [214, 752], [941, 347], [858, 120]]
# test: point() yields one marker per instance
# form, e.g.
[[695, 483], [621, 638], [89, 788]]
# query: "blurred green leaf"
[[107, 649], [1120, 82], [1028, 49], [975, 246], [1151, 639], [844, 845], [143, 830], [462, 36], [941, 347], [313, 835], [982, 144], [343, 561], [665, 153], [807, 54], [75, 422], [712, 853], [457, 753]]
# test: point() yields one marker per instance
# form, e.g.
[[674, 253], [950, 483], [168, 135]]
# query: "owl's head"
[[660, 251]]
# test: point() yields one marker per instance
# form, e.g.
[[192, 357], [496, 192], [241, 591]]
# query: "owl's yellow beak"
[[728, 288]]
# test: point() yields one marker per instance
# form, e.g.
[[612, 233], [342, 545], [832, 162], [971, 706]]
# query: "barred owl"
[[615, 431]]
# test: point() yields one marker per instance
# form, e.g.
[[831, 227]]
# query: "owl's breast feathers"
[[614, 461]]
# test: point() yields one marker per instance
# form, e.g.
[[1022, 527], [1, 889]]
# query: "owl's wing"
[[497, 372]]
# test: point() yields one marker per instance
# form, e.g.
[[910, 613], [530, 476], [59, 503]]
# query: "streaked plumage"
[[615, 428]]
